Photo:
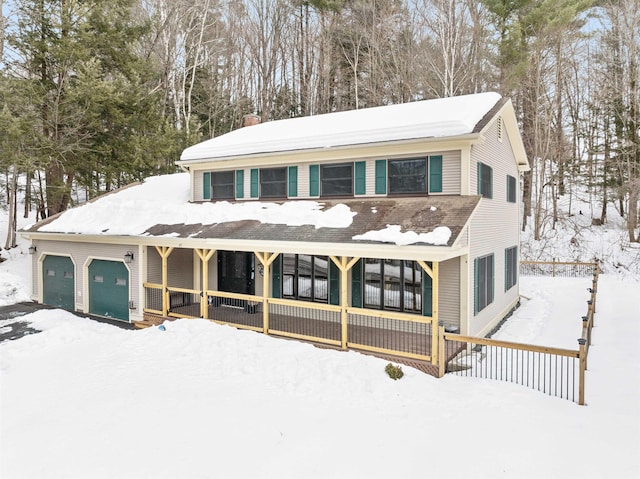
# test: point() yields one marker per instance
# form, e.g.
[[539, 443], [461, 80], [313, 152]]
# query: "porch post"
[[205, 255], [433, 272], [266, 259], [344, 264], [164, 252]]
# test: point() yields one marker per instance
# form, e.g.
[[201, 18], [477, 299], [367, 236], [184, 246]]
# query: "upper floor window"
[[336, 180], [273, 182], [485, 180], [511, 189], [222, 184], [407, 176]]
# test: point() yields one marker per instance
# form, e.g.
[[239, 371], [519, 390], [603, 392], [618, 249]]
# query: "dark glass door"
[[236, 272]]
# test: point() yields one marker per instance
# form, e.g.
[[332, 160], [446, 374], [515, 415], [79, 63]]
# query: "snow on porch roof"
[[160, 207], [439, 118]]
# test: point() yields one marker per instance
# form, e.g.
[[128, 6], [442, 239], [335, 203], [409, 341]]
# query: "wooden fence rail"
[[554, 371]]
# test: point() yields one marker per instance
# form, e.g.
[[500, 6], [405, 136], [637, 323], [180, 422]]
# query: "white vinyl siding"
[[451, 172], [494, 227], [179, 266], [449, 295], [197, 186]]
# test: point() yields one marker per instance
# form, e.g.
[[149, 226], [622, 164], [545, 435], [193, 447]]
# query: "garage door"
[[109, 289], [58, 282]]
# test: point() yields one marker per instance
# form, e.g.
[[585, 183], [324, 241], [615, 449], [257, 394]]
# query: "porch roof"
[[418, 215]]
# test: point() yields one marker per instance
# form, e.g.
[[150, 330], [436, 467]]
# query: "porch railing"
[[383, 332], [388, 332], [153, 298], [308, 321], [184, 302], [555, 371], [241, 310]]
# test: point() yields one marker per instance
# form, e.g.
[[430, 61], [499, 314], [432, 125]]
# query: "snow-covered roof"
[[160, 207], [439, 118]]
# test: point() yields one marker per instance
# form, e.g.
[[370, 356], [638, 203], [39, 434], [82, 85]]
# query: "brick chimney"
[[251, 119]]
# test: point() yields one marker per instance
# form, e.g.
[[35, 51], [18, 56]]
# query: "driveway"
[[18, 329]]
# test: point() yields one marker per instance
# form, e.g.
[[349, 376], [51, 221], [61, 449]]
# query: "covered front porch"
[[344, 302]]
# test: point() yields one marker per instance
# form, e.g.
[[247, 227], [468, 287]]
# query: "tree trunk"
[[632, 213], [12, 185], [27, 196]]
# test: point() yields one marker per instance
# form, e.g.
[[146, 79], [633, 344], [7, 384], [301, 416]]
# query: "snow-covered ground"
[[87, 400]]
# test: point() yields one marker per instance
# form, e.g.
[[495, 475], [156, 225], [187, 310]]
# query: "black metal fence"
[[552, 371], [554, 268]]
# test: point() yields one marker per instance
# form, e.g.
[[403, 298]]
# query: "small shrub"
[[394, 371]]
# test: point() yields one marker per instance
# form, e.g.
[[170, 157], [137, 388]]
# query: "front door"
[[236, 272]]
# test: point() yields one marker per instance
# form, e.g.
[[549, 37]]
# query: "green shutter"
[[206, 185], [254, 183], [334, 283], [314, 180], [293, 181], [475, 285], [361, 177], [435, 174], [479, 178], [493, 278], [356, 284], [427, 294], [506, 263], [511, 189], [239, 183], [276, 277], [381, 177]]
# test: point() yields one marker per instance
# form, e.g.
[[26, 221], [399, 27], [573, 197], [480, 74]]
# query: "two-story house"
[[360, 229]]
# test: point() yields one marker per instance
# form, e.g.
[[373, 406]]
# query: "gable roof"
[[438, 118]]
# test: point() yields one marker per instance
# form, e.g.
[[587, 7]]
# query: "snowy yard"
[[88, 400]]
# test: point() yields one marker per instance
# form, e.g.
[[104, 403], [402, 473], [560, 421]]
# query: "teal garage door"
[[109, 289], [58, 282]]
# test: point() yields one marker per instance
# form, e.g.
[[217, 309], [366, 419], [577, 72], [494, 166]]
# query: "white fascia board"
[[364, 250]]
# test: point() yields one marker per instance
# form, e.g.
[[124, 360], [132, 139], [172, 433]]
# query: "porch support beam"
[[164, 252], [205, 255], [434, 273], [344, 264], [266, 259]]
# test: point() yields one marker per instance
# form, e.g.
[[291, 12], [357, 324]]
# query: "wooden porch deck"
[[322, 333]]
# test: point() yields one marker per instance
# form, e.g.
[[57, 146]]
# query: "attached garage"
[[58, 281], [109, 289]]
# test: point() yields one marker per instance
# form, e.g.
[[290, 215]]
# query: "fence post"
[[583, 367], [553, 268], [442, 365], [585, 328]]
